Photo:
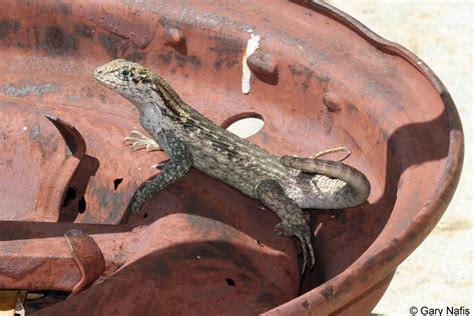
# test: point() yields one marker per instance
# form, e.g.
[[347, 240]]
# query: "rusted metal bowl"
[[319, 80]]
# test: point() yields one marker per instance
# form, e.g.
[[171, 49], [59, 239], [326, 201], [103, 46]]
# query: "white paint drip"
[[252, 45]]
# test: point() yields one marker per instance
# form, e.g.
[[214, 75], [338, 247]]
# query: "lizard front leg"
[[140, 141], [293, 222], [180, 162]]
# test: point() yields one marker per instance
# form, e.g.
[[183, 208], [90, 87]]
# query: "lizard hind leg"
[[293, 222]]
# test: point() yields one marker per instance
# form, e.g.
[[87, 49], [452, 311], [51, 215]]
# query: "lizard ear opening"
[[244, 124]]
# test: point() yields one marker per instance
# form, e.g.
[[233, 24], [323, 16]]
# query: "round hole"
[[244, 124]]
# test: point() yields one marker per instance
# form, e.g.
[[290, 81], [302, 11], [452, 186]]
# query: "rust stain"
[[135, 26], [227, 51], [58, 41]]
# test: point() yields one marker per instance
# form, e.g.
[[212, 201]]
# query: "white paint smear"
[[252, 45]]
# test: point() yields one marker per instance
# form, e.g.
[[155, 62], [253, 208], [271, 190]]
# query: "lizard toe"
[[152, 146], [302, 233], [304, 238], [308, 244], [138, 145], [304, 250]]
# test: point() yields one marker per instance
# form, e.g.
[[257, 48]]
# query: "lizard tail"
[[338, 170]]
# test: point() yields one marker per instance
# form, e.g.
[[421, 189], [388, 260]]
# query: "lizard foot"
[[293, 223], [302, 233], [140, 141]]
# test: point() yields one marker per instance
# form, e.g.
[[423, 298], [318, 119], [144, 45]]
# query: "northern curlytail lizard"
[[285, 185]]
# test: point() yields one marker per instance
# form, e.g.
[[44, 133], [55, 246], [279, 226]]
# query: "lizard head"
[[140, 86], [125, 77]]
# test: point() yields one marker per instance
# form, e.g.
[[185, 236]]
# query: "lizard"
[[286, 185]]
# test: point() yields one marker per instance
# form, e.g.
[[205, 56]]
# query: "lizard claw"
[[140, 141], [302, 233]]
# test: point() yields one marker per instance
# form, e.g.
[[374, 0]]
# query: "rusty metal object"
[[88, 257], [50, 187], [319, 80]]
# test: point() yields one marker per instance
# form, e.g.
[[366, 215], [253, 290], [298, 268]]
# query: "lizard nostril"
[[244, 124]]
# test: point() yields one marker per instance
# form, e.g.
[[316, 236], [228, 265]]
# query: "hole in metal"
[[82, 205], [117, 183], [230, 282], [49, 298], [244, 124]]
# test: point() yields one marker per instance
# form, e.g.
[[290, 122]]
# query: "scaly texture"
[[284, 185]]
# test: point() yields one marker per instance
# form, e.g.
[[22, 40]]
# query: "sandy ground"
[[439, 273]]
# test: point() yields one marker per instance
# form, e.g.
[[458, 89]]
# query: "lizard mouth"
[[101, 76]]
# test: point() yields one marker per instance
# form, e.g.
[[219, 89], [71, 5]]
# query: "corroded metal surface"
[[88, 257], [319, 80]]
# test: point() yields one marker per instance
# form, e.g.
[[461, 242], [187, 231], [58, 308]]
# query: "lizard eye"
[[125, 72]]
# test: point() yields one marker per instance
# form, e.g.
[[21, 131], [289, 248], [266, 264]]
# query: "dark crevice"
[[50, 298], [117, 182], [82, 205], [70, 196], [230, 282], [74, 202]]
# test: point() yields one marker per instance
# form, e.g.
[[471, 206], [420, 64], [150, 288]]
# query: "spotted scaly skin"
[[285, 185]]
